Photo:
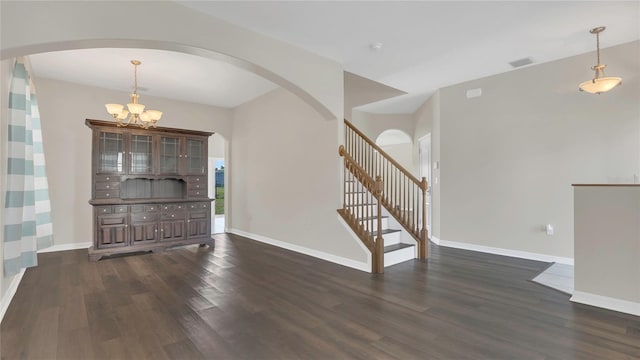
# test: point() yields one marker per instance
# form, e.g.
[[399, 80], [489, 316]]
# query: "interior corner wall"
[[67, 145], [427, 121], [284, 177], [509, 157]]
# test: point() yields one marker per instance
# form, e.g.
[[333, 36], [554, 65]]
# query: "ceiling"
[[425, 45], [162, 73]]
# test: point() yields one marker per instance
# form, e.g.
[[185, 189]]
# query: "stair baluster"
[[378, 176]]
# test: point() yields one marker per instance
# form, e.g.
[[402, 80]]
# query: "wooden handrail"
[[369, 181], [379, 149]]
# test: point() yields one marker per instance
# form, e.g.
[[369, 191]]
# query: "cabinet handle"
[[144, 217], [161, 230], [198, 185], [156, 230], [104, 210], [107, 178], [180, 155], [173, 216], [185, 155], [108, 186], [108, 195], [197, 179]]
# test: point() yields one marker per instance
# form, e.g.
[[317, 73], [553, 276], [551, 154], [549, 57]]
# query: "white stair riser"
[[391, 238], [384, 222], [398, 256]]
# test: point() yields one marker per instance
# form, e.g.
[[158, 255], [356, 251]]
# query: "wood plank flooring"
[[247, 300]]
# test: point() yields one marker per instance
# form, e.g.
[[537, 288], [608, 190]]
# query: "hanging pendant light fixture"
[[136, 113], [600, 83]]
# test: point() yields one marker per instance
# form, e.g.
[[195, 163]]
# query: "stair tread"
[[386, 231], [361, 205], [394, 247]]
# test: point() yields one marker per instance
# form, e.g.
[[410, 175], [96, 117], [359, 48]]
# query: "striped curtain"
[[27, 214]]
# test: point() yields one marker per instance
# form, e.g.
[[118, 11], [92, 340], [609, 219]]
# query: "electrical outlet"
[[549, 229]]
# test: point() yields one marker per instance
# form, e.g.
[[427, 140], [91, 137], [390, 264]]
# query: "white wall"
[[607, 243], [373, 125], [427, 121], [67, 145], [509, 157], [62, 25], [403, 154], [284, 175]]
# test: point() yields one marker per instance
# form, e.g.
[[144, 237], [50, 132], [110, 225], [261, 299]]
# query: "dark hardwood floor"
[[247, 300]]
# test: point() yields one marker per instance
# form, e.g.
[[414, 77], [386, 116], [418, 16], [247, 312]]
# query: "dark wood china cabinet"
[[149, 189]]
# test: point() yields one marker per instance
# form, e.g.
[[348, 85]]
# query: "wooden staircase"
[[382, 201]]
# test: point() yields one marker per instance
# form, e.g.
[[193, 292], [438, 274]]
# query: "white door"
[[424, 152]]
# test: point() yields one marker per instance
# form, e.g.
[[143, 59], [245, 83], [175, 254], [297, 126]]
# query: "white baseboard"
[[8, 295], [624, 306], [64, 247], [303, 250], [501, 251]]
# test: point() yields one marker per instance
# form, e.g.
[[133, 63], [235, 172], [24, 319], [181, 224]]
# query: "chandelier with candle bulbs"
[[134, 114]]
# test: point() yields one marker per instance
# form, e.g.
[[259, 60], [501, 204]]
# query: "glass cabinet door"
[[141, 154], [110, 153], [169, 153], [195, 157]]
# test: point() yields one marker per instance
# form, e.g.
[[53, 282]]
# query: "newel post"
[[423, 244], [378, 258]]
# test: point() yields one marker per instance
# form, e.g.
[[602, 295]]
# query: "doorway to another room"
[[217, 186]]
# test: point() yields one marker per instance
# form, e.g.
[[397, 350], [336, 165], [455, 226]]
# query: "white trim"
[[501, 251], [358, 265], [65, 247], [605, 302], [359, 242], [8, 295]]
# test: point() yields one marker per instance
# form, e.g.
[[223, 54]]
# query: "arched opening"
[[399, 146]]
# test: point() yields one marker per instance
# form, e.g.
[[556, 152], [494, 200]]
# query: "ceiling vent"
[[521, 62]]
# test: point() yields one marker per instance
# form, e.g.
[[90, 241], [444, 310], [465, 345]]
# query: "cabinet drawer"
[[144, 217], [107, 178], [176, 215], [112, 220], [116, 209], [103, 210], [197, 180], [107, 194], [199, 206], [120, 209], [135, 209], [196, 186], [172, 207], [107, 185], [198, 215], [197, 193]]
